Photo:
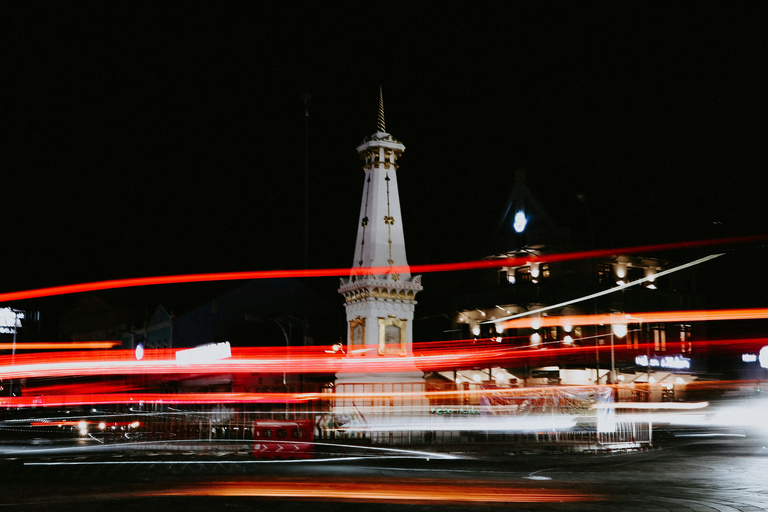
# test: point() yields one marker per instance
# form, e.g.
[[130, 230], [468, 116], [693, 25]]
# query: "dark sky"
[[168, 138]]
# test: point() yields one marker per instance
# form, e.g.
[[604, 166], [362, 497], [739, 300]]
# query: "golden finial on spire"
[[380, 125]]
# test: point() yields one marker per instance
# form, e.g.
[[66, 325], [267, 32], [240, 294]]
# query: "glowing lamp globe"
[[619, 330], [520, 222]]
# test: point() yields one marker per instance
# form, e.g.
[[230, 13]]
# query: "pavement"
[[688, 474]]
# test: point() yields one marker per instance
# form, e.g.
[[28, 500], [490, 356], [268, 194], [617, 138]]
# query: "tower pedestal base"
[[412, 377]]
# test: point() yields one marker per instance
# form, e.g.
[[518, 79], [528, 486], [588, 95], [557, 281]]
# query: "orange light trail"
[[57, 423], [378, 491], [634, 318], [93, 399], [341, 272], [60, 345]]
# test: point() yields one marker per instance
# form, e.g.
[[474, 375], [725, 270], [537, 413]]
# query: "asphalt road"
[[693, 474]]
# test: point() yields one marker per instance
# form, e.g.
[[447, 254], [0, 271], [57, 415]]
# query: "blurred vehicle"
[[283, 439]]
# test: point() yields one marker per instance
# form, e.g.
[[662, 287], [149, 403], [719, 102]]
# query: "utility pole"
[[593, 277], [306, 97]]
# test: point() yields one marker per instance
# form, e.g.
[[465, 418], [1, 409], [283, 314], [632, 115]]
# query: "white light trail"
[[606, 292]]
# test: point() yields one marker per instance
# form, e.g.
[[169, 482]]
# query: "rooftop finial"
[[380, 125]]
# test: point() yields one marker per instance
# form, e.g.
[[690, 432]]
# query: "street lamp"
[[336, 348], [583, 200], [286, 334], [287, 344], [620, 330]]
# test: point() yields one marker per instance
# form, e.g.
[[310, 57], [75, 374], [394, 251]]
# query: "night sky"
[[145, 139]]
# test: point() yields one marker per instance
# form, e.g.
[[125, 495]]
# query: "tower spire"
[[380, 125]]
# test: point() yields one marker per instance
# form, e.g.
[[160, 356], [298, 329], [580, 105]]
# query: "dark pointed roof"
[[512, 234]]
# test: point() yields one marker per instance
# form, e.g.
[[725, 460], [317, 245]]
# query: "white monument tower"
[[380, 306]]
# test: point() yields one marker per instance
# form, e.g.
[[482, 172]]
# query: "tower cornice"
[[371, 281], [378, 290]]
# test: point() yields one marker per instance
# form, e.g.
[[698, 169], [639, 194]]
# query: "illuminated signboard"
[[204, 353], [762, 356], [454, 410], [10, 320], [674, 363]]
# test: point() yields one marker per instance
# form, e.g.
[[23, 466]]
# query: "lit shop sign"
[[753, 358], [459, 411], [204, 353], [10, 320], [675, 363]]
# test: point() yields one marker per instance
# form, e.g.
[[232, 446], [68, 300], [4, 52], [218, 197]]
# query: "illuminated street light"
[[650, 276], [335, 349], [520, 222], [620, 330]]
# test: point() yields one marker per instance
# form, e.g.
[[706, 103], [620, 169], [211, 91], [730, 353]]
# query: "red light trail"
[[275, 360], [156, 398], [341, 272]]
